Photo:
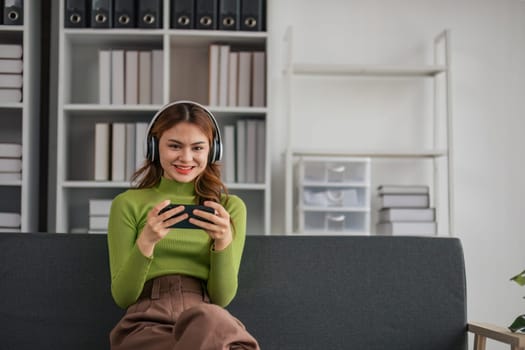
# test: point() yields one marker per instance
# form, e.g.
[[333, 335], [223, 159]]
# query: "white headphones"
[[152, 149]]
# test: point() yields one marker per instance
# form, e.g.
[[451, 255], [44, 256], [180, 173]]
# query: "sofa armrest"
[[482, 331]]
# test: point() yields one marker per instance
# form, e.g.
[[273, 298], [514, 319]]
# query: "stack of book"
[[10, 162], [130, 77], [99, 215], [405, 210], [236, 78], [244, 151], [11, 66], [119, 150], [10, 222]]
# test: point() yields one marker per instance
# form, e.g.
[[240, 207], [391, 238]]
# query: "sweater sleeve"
[[129, 267], [224, 264]]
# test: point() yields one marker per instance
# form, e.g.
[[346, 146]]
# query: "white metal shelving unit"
[[440, 154], [79, 110], [20, 121]]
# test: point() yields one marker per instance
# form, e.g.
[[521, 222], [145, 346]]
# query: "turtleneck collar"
[[176, 188]]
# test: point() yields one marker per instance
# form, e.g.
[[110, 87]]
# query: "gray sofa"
[[300, 293]]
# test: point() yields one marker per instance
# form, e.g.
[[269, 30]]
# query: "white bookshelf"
[[185, 57], [19, 122], [438, 156]]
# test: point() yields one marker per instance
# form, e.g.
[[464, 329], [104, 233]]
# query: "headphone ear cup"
[[152, 149], [218, 150]]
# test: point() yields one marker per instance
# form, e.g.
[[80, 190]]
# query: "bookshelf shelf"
[[324, 70], [373, 153], [95, 184], [185, 76], [437, 156]]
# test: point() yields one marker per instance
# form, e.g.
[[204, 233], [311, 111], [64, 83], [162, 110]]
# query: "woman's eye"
[[174, 146]]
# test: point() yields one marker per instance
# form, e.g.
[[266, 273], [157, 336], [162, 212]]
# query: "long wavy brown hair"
[[208, 184]]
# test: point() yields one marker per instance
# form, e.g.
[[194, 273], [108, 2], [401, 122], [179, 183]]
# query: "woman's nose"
[[186, 154]]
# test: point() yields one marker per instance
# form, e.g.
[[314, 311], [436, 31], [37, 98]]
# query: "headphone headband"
[[151, 144]]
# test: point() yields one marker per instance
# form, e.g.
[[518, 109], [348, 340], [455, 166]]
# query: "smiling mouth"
[[183, 169]]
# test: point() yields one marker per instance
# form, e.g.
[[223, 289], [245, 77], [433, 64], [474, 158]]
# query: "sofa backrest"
[[359, 292], [302, 293]]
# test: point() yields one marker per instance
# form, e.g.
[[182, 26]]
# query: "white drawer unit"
[[333, 195]]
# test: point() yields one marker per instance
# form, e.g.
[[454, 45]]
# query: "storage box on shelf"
[[333, 195], [184, 74], [435, 152], [20, 119]]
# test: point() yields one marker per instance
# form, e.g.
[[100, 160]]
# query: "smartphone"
[[188, 208]]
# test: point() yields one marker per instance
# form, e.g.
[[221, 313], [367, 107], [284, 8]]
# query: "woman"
[[175, 282]]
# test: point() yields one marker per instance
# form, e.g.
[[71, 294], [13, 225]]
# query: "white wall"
[[488, 87]]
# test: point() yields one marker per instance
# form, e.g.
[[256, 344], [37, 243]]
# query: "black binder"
[[252, 15], [101, 14], [124, 14], [206, 14], [229, 14], [149, 14], [183, 14], [75, 14], [13, 12]]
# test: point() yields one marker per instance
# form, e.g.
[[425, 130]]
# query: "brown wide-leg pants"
[[175, 313]]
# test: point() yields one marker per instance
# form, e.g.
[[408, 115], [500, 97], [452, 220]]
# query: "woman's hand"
[[218, 227], [157, 226]]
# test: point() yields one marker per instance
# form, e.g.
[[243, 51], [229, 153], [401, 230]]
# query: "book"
[[132, 77], [145, 77], [228, 161], [130, 149], [251, 150], [102, 151], [10, 150], [233, 78], [141, 130], [402, 189], [11, 66], [240, 147], [157, 77], [10, 165], [407, 228], [406, 214], [259, 79], [98, 222], [11, 80], [10, 220], [118, 152], [10, 51], [10, 176], [104, 77], [99, 207], [224, 56], [245, 79], [213, 85], [261, 151], [404, 201], [117, 77], [10, 95]]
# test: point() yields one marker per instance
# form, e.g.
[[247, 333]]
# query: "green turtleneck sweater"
[[182, 251]]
